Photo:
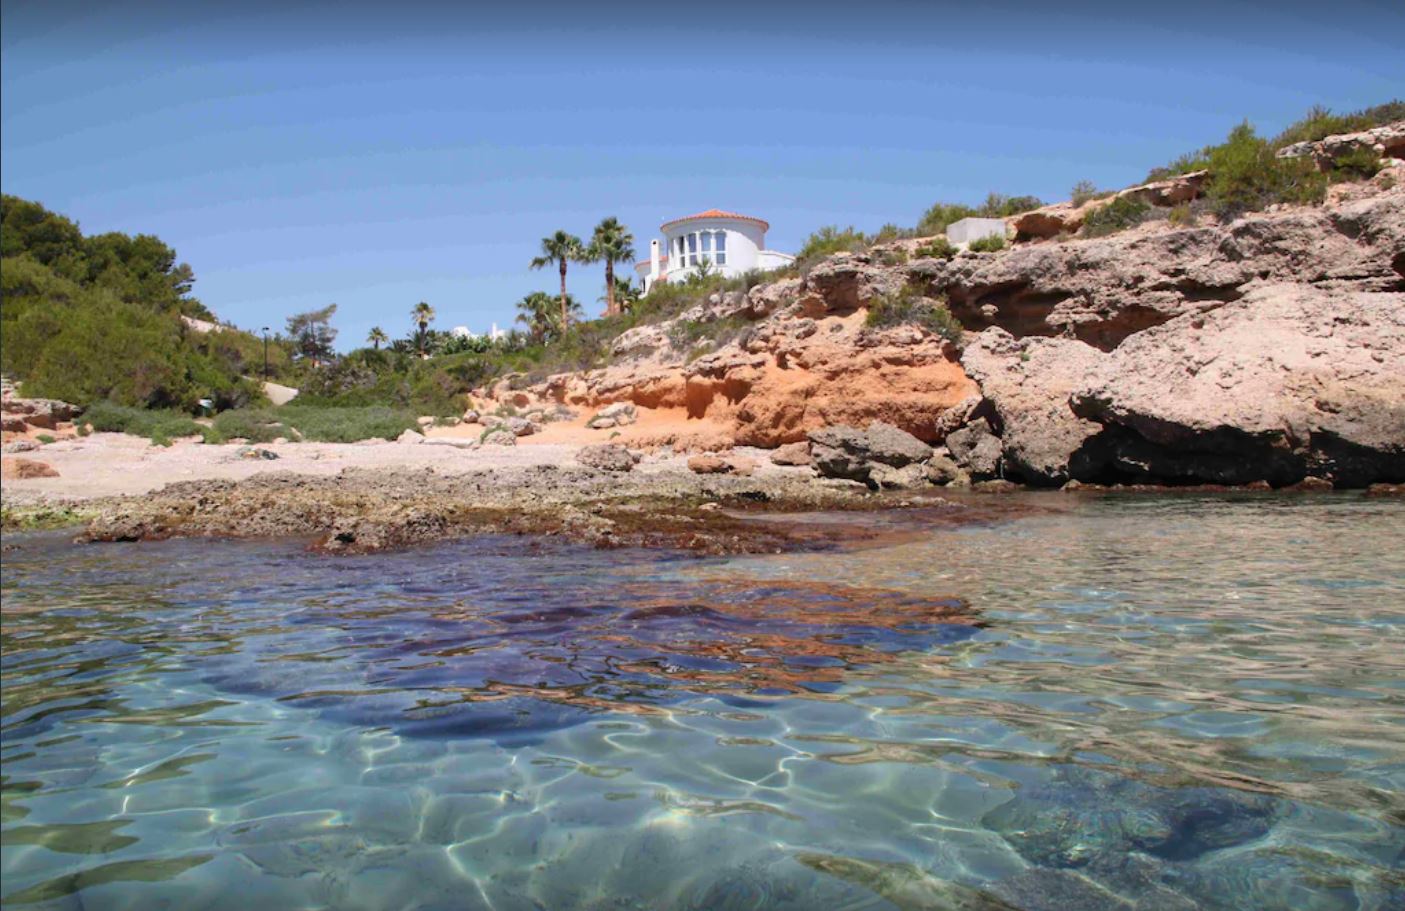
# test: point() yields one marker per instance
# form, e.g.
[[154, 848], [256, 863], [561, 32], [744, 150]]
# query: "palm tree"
[[627, 294], [422, 315], [377, 337], [537, 311], [613, 243], [561, 248]]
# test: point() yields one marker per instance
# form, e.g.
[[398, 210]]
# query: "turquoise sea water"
[[1153, 703]]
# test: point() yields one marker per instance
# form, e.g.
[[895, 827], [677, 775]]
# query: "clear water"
[[1166, 703]]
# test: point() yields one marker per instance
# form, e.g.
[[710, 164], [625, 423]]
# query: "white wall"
[[968, 229], [745, 240]]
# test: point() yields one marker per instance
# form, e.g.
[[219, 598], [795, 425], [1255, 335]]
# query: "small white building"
[[962, 232], [732, 243]]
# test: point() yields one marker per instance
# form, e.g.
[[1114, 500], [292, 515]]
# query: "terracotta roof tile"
[[716, 213]]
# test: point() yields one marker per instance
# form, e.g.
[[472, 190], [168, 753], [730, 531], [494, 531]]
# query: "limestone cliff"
[[1271, 348]]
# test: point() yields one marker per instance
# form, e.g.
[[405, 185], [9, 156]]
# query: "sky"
[[377, 155]]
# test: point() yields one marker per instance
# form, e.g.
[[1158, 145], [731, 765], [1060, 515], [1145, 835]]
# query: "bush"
[[257, 425], [907, 307], [988, 244], [936, 219], [160, 426], [1358, 164], [936, 248], [1183, 216], [1320, 123], [1122, 213], [1083, 191], [1186, 164], [346, 425], [1246, 176], [830, 240]]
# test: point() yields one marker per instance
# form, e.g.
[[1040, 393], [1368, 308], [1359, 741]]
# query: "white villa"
[[732, 243]]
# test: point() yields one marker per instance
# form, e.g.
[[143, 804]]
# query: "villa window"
[[692, 249], [719, 241]]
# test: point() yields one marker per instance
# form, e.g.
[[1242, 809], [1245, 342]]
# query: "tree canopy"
[[99, 317]]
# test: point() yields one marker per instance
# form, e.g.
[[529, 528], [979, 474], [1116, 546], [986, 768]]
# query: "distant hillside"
[[87, 318]]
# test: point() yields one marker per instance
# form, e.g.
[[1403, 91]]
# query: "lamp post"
[[264, 330]]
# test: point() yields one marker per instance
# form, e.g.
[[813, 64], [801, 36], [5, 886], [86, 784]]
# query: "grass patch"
[[1122, 213], [908, 308]]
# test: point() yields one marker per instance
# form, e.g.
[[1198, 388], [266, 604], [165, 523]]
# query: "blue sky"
[[375, 156]]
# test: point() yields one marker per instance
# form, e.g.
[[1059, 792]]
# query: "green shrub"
[[1183, 216], [908, 307], [891, 232], [1083, 191], [257, 425], [890, 256], [1246, 176], [942, 214], [1358, 164], [45, 438], [937, 248], [158, 425], [1186, 164], [987, 244], [830, 240], [346, 425], [1122, 213], [1320, 123]]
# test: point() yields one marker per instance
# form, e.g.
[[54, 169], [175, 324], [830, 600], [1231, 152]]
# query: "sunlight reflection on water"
[[1170, 702]]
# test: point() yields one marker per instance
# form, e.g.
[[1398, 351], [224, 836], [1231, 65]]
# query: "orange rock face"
[[810, 363]]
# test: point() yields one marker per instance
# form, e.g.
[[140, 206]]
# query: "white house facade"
[[732, 243]]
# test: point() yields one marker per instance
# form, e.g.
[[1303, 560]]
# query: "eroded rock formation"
[[1270, 349]]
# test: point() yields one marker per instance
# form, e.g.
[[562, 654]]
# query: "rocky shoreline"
[[1270, 349]]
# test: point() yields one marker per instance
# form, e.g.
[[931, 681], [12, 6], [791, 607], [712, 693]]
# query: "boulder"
[[976, 448], [498, 436], [621, 413], [521, 426], [942, 469], [1028, 383], [17, 469], [410, 436], [853, 454], [708, 463], [606, 457], [1293, 380], [471, 416], [887, 477], [21, 446], [791, 454], [257, 452]]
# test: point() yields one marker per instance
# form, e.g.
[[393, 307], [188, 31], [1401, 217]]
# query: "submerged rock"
[[1084, 817]]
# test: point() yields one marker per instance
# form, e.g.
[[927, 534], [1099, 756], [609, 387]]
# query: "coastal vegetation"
[[907, 307], [102, 316]]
